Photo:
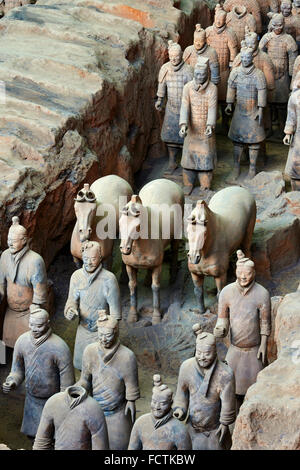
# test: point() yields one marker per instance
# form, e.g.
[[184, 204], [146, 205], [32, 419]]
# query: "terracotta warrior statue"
[[23, 280], [72, 420], [91, 288], [172, 77], [252, 7], [206, 389], [245, 309], [282, 50], [248, 90], [198, 117], [200, 48], [159, 430], [291, 22], [225, 42], [239, 19], [110, 371], [292, 136], [44, 361]]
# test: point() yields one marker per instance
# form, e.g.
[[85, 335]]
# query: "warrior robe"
[[238, 19], [167, 433], [72, 423], [23, 279], [191, 55], [292, 127], [171, 81], [198, 110], [282, 50], [249, 313], [112, 376], [210, 399], [46, 365], [88, 293], [225, 42], [247, 88]]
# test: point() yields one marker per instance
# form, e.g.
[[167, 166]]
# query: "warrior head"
[[276, 23], [17, 236], [175, 53], [201, 70], [286, 8], [206, 348], [91, 256], [108, 329], [162, 398], [220, 16], [245, 269], [199, 37], [246, 56], [251, 39], [39, 322]]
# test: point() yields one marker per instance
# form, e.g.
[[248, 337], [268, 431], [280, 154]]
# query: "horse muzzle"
[[194, 258], [125, 250]]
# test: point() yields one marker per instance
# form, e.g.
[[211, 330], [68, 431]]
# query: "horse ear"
[[201, 203], [136, 199]]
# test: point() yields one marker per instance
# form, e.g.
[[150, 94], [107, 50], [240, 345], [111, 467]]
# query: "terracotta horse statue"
[[148, 224], [215, 232], [90, 209]]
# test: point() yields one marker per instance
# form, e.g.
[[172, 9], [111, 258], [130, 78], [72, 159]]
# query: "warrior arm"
[[135, 442], [182, 395], [295, 70], [237, 61], [73, 298], [2, 280], [131, 379], [223, 323], [162, 85], [44, 438], [39, 283], [291, 121], [113, 299], [212, 108], [233, 45], [214, 69], [265, 316], [98, 429], [268, 70], [228, 402], [185, 106], [264, 42], [262, 98], [65, 367], [17, 373], [85, 380], [231, 88], [292, 53]]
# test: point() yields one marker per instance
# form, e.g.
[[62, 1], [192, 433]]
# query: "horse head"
[[85, 210], [197, 231], [130, 223]]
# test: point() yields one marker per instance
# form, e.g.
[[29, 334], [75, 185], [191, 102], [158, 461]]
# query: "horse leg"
[[107, 263], [78, 262], [198, 280], [220, 282], [132, 275], [174, 260], [156, 317]]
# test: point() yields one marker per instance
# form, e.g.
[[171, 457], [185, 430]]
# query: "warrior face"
[[277, 26], [160, 404], [205, 354], [16, 241], [220, 19], [91, 258], [175, 55], [199, 40], [38, 325], [200, 75], [252, 41], [106, 336], [245, 275], [246, 58], [286, 9]]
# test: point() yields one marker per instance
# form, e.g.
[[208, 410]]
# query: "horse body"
[[105, 190], [142, 244], [215, 232]]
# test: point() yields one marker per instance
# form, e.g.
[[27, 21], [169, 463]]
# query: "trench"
[[160, 348]]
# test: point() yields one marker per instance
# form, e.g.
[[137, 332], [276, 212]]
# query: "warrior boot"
[[188, 177], [253, 154], [205, 179], [237, 154], [172, 152]]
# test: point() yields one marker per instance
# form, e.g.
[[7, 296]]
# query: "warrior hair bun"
[[15, 220], [157, 380], [197, 329], [198, 28]]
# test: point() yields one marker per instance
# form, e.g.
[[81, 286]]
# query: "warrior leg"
[[237, 154], [281, 117], [156, 317], [225, 118], [132, 274], [198, 290], [205, 179], [188, 180], [295, 184], [172, 152], [253, 154], [221, 282]]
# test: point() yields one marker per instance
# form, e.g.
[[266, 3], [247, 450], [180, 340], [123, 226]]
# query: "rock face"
[[80, 80], [269, 418]]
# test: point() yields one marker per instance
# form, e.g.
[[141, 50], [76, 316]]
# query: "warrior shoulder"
[[163, 72], [187, 53]]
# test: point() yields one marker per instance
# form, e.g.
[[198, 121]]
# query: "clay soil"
[[160, 348]]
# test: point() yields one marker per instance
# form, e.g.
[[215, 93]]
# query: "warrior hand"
[[221, 432], [130, 407], [262, 352], [287, 139], [179, 414], [183, 131], [158, 104], [219, 331], [228, 109], [208, 131], [8, 386], [71, 313]]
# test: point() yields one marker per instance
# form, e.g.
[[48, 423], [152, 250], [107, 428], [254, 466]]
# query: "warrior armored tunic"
[[23, 279], [171, 81], [46, 365], [249, 313], [191, 55], [210, 399], [282, 50], [112, 377], [292, 127], [88, 293], [238, 19], [252, 7], [225, 42], [247, 88], [199, 109]]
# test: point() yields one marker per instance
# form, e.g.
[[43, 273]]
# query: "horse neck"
[[142, 243], [212, 224]]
